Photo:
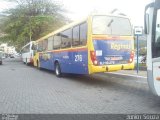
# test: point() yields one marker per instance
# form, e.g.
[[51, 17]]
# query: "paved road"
[[25, 89]]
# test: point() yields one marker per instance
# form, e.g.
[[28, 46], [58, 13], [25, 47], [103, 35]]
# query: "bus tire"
[[38, 65], [58, 70], [26, 62]]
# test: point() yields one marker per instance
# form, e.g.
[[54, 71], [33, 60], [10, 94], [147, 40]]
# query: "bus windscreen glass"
[[111, 25]]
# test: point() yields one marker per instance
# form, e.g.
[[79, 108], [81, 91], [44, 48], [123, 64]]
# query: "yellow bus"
[[99, 43]]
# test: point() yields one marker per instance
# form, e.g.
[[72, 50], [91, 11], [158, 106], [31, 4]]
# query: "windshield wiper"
[[109, 24]]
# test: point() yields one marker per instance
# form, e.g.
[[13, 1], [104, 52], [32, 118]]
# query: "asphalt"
[[27, 90], [135, 73]]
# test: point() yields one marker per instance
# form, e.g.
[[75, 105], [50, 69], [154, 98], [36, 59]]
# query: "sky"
[[5, 5], [134, 9], [78, 9]]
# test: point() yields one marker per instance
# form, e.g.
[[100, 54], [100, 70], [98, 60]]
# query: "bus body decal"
[[71, 61], [113, 52]]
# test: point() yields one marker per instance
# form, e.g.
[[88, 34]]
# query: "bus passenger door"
[[156, 55]]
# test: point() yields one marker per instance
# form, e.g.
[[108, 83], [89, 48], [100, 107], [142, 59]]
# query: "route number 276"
[[78, 58]]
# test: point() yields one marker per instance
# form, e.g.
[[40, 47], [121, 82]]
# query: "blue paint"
[[113, 49], [66, 60]]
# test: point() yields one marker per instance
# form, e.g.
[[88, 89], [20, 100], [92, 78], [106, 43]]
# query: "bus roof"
[[27, 44], [75, 23], [114, 15]]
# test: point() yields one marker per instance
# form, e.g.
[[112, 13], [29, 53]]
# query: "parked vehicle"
[[141, 59], [1, 55], [11, 56], [27, 53], [99, 43], [152, 31]]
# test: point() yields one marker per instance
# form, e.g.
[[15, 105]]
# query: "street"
[[25, 89]]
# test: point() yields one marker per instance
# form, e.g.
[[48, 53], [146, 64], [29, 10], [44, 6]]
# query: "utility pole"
[[30, 30]]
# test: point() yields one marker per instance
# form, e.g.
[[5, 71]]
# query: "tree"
[[30, 20], [143, 51]]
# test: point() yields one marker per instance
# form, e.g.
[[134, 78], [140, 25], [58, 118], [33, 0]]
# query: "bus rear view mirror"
[[146, 23], [158, 25], [157, 4], [146, 18]]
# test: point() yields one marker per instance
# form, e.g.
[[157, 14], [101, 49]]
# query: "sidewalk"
[[133, 72]]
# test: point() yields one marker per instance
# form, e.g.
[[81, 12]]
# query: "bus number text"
[[78, 58]]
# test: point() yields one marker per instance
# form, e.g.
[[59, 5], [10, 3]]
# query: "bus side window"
[[75, 41], [45, 44], [50, 43], [66, 38], [83, 34], [57, 41], [156, 42], [40, 46]]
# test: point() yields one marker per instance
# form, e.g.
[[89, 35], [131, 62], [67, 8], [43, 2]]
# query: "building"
[[7, 49]]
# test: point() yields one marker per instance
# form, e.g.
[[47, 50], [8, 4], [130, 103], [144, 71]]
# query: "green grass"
[[141, 64]]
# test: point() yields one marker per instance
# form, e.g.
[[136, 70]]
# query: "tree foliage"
[[30, 20], [143, 51]]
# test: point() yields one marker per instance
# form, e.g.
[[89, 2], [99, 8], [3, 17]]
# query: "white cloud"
[[81, 8], [6, 5]]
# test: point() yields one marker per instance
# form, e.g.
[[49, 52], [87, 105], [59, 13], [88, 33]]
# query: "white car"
[[139, 59]]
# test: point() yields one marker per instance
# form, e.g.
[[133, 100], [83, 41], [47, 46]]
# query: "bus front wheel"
[[58, 70], [27, 62]]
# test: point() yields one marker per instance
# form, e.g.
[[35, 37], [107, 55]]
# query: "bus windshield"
[[111, 25]]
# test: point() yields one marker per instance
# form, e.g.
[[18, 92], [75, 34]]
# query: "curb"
[[142, 68], [130, 75]]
